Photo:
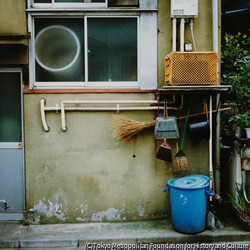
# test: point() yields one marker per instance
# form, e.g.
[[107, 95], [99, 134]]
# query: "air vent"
[[175, 12], [181, 12]]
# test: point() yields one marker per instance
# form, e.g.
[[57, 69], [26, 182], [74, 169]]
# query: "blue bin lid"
[[191, 181]]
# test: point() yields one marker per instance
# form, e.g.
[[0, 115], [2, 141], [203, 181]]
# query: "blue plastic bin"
[[188, 201]]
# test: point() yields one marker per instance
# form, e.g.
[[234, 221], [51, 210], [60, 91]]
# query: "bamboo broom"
[[123, 128]]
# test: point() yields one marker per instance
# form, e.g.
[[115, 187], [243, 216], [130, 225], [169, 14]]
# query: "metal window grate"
[[191, 68]]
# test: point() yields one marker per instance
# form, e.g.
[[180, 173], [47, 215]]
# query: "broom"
[[123, 128], [164, 152], [180, 161]]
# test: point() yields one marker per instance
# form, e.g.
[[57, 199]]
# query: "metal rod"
[[210, 144], [174, 34], [42, 109], [117, 108]]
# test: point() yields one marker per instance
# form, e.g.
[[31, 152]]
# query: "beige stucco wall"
[[13, 17], [13, 28], [84, 175], [202, 31]]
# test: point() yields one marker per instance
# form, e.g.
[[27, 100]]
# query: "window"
[[54, 4], [111, 3], [95, 50], [110, 50], [69, 1]]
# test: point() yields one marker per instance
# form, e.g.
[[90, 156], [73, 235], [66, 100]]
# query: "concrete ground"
[[107, 236]]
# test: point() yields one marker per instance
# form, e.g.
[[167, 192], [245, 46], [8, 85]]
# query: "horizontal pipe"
[[105, 108], [112, 102], [117, 108], [110, 108], [33, 10]]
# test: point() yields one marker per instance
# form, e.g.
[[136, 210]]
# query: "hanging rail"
[[44, 109]]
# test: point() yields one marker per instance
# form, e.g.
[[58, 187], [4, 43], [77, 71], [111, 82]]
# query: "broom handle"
[[224, 109], [182, 142], [165, 110]]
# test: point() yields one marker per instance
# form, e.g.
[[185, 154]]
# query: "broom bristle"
[[164, 154], [123, 128], [179, 163], [180, 153]]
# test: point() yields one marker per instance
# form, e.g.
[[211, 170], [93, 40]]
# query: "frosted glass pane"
[[112, 49], [59, 48], [10, 107]]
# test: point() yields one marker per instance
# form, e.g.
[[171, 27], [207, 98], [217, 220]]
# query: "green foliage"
[[236, 72], [240, 203], [242, 120]]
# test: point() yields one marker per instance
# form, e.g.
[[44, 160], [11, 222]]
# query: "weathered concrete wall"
[[202, 32], [13, 17], [13, 28], [84, 175]]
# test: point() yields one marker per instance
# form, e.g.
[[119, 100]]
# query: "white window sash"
[[54, 5], [86, 83]]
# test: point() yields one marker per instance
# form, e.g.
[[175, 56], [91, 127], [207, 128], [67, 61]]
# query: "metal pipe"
[[174, 34], [217, 127], [42, 109], [210, 144], [118, 108], [192, 33], [63, 117], [215, 24], [182, 28], [111, 102]]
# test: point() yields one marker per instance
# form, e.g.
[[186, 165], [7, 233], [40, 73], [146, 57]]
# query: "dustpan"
[[166, 126]]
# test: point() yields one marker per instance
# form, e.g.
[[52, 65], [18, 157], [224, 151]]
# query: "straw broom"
[[180, 161], [123, 128]]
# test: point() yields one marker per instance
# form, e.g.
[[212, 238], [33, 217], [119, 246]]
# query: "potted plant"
[[241, 205], [241, 121]]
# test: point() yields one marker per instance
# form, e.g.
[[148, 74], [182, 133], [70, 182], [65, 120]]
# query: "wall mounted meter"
[[184, 8]]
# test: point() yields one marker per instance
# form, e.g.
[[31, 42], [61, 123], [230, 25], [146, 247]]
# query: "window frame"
[[147, 68], [86, 83], [54, 5]]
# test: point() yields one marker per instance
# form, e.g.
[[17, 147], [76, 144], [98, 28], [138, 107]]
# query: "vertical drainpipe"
[[217, 128]]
